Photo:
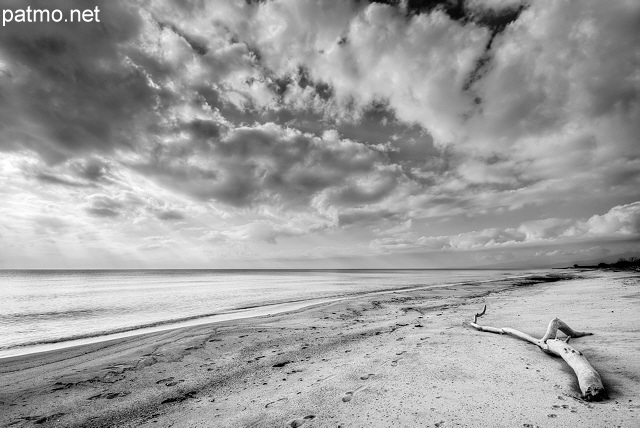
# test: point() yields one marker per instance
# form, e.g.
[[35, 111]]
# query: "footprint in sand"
[[279, 400], [38, 420], [348, 396], [109, 395], [301, 421], [395, 362]]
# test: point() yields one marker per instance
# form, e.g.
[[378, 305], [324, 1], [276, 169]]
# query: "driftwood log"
[[588, 378]]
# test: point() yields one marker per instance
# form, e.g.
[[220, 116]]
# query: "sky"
[[320, 134]]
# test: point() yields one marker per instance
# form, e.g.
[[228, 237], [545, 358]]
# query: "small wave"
[[51, 315], [108, 332]]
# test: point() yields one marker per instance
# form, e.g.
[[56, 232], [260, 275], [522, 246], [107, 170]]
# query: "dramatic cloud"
[[195, 132], [69, 89]]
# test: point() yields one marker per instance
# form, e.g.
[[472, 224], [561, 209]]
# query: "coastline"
[[402, 357], [237, 313]]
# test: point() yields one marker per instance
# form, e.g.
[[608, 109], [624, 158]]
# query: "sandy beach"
[[399, 359]]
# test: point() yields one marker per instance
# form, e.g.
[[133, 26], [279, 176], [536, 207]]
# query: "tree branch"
[[588, 378]]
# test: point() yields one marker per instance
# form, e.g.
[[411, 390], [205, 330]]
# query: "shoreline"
[[238, 314], [403, 358], [231, 315]]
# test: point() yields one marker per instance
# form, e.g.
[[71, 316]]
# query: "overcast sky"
[[320, 134]]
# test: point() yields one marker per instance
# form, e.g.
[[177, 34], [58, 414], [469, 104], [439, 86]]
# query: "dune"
[[406, 358]]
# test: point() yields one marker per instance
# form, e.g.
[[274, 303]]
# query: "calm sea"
[[47, 309]]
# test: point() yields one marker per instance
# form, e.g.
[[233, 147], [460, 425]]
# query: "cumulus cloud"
[[408, 63], [620, 222], [570, 111], [273, 165]]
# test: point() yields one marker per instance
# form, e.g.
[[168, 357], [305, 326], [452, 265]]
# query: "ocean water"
[[61, 307]]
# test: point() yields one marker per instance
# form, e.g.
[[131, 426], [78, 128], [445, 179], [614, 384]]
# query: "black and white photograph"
[[320, 213]]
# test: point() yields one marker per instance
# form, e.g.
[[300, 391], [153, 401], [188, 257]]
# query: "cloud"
[[170, 215], [183, 88], [272, 165], [596, 251], [264, 230], [407, 62], [522, 125], [484, 124], [544, 229], [72, 89], [53, 179], [47, 223], [203, 129], [485, 238], [61, 98], [495, 257], [559, 97], [524, 98], [103, 206], [620, 222], [156, 243], [366, 216]]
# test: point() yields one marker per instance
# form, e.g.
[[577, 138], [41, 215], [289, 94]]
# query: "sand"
[[398, 359]]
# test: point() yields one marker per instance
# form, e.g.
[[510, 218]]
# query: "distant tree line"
[[632, 263]]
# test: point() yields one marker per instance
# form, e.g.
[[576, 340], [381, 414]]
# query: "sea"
[[48, 309]]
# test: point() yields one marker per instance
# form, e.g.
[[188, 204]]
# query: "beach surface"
[[405, 358]]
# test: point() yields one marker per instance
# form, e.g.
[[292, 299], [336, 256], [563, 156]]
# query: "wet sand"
[[397, 359]]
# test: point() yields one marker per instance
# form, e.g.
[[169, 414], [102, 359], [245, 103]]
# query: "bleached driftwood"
[[588, 378]]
